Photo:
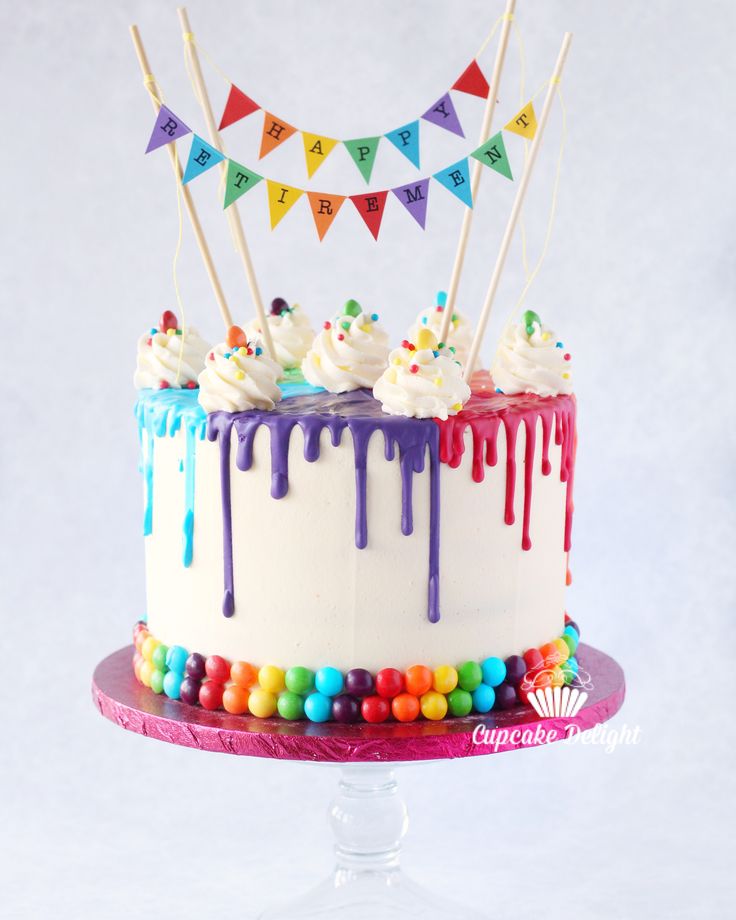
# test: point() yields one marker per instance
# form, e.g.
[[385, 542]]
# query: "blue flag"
[[201, 158], [456, 178], [406, 139]]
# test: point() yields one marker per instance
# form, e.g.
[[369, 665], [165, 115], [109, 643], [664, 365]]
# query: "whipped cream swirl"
[[422, 382], [350, 352], [460, 334], [238, 377], [531, 359], [291, 332], [169, 357]]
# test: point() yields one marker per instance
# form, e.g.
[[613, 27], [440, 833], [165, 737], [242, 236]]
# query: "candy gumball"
[[176, 659], [189, 691], [210, 695], [149, 647], [158, 659], [345, 708], [469, 676], [567, 673], [571, 643], [551, 654], [459, 702], [533, 658], [434, 705], [262, 703], [515, 669], [217, 669], [243, 674], [235, 700], [375, 709], [418, 680], [290, 705], [444, 679], [271, 678], [573, 663], [146, 670], [505, 696], [140, 639], [494, 671], [405, 707], [358, 682], [157, 680], [558, 678], [562, 648], [540, 680], [194, 667], [168, 321], [483, 698], [172, 684], [318, 707], [389, 682], [299, 680], [573, 625], [328, 681]]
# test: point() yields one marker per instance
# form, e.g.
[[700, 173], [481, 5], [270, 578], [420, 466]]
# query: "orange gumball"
[[244, 674], [236, 337], [541, 679], [551, 654], [405, 706], [418, 680], [235, 699]]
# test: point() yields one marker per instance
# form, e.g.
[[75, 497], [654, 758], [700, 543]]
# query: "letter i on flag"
[[239, 180], [524, 122], [456, 179], [316, 150], [371, 207], [281, 198], [201, 158], [324, 210], [168, 128]]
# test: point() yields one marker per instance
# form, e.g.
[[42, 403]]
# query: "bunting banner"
[[324, 206]]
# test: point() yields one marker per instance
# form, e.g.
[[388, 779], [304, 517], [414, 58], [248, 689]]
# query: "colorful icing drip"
[[362, 415]]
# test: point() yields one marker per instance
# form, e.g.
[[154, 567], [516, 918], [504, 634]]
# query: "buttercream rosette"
[[531, 359], [238, 376], [169, 356], [460, 332], [291, 332]]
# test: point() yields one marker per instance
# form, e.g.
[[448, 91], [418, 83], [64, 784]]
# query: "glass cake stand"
[[368, 815]]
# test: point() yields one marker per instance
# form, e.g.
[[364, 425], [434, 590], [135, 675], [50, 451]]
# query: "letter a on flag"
[[316, 150], [201, 158], [168, 128], [493, 154], [324, 210], [524, 122], [238, 105], [363, 152], [414, 198], [275, 132], [472, 81], [456, 178], [280, 199], [239, 180], [370, 207], [406, 139]]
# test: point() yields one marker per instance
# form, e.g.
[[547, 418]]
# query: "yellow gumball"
[[262, 703], [445, 679], [146, 672], [271, 678], [149, 647], [141, 638], [564, 651], [558, 676], [434, 705]]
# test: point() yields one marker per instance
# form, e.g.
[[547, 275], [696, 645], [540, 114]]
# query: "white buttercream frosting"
[[422, 382], [460, 334], [350, 352], [291, 333], [531, 359], [169, 356], [238, 377]]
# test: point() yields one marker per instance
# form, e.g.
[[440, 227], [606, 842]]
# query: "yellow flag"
[[316, 150], [524, 122], [280, 198]]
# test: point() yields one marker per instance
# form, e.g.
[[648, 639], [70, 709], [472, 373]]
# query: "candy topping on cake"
[[238, 376], [169, 356], [530, 359], [423, 380], [460, 335], [351, 351], [290, 330]]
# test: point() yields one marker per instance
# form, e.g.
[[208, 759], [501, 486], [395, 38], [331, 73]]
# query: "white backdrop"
[[98, 823]]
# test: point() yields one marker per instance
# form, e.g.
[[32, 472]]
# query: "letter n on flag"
[[324, 210], [238, 105], [370, 207]]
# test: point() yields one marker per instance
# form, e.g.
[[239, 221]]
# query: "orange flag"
[[324, 210], [275, 132]]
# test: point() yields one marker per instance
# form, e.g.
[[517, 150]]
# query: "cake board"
[[368, 817]]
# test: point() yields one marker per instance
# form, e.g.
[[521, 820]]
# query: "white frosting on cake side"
[[530, 359]]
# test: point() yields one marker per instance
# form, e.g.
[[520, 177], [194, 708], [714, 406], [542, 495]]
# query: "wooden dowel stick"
[[516, 208], [478, 168], [233, 215], [204, 249]]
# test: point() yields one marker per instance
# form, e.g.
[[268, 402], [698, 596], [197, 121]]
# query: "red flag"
[[370, 207], [472, 81], [238, 105]]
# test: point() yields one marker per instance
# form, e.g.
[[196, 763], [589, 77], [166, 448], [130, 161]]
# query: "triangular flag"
[[456, 178], [370, 207], [406, 139], [239, 180], [443, 113], [202, 157], [472, 81], [324, 210], [524, 122], [493, 154], [238, 105], [414, 198], [363, 152], [316, 150], [281, 198], [275, 132], [168, 128]]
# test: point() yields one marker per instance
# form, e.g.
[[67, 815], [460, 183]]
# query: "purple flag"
[[414, 198], [443, 113], [168, 128]]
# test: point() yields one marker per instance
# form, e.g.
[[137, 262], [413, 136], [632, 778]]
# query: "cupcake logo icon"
[[564, 702]]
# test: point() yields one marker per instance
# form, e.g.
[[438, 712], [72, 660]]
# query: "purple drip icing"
[[362, 415]]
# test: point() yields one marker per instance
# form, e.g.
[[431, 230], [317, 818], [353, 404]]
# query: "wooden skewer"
[[516, 208], [478, 169], [204, 249], [233, 215]]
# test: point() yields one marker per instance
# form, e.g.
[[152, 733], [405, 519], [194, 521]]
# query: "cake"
[[376, 539]]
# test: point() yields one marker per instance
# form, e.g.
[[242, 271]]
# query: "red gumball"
[[168, 321], [389, 683], [375, 709], [533, 658], [210, 695], [217, 669]]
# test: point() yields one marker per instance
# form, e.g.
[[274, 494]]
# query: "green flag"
[[493, 154], [239, 180], [363, 151]]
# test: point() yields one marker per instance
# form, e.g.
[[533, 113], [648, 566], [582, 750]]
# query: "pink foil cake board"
[[120, 698]]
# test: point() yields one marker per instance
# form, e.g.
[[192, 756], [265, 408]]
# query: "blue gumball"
[[172, 684], [329, 681], [572, 663], [317, 707], [571, 631], [484, 697], [494, 671], [176, 658]]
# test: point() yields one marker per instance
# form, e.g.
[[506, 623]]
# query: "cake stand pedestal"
[[368, 816]]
